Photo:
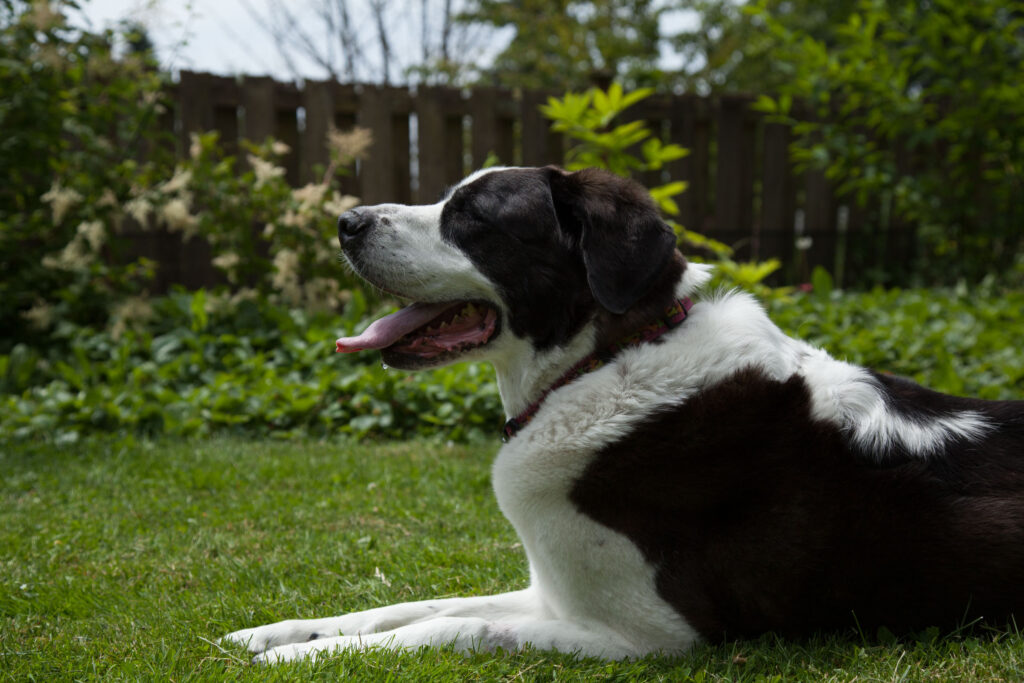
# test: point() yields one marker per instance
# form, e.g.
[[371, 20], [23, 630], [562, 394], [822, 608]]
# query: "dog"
[[676, 471]]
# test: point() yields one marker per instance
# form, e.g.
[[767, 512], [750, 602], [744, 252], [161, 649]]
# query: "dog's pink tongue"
[[391, 328]]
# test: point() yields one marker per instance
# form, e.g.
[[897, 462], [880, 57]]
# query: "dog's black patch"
[[759, 518]]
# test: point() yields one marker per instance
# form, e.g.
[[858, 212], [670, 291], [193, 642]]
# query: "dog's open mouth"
[[427, 334]]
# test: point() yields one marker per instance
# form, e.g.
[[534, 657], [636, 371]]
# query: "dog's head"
[[537, 253]]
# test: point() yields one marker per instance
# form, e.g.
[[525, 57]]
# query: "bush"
[[202, 366], [592, 120], [959, 341], [917, 112], [84, 155], [76, 122]]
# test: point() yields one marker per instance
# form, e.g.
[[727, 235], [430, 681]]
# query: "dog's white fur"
[[591, 590]]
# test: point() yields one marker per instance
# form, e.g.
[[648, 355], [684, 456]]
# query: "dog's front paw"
[[297, 651], [263, 638]]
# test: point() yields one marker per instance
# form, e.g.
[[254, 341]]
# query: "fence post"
[[440, 144], [258, 103], [540, 146], [384, 176], [689, 126], [778, 196], [493, 131], [318, 102], [734, 179]]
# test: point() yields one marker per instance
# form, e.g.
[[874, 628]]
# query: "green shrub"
[[592, 119], [918, 113], [202, 366], [959, 341], [84, 154], [76, 121]]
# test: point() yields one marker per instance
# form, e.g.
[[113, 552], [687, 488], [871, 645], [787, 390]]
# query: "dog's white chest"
[[583, 570]]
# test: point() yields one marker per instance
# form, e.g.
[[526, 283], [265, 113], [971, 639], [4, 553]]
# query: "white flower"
[[279, 148], [139, 209], [40, 316], [291, 219], [179, 182], [74, 256], [227, 262], [131, 310], [322, 294], [346, 147], [309, 196], [265, 171], [108, 198], [94, 233], [195, 147], [61, 199], [175, 213], [286, 275], [339, 204]]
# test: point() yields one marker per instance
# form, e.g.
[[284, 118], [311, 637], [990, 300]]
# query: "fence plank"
[[778, 196], [346, 104], [440, 141], [258, 101], [380, 179], [689, 126], [318, 102], [400, 134], [734, 177], [194, 105], [819, 222], [493, 126], [286, 130], [540, 146]]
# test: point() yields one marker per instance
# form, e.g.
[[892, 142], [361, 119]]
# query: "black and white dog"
[[676, 472]]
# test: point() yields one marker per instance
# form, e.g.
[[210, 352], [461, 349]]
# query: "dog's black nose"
[[352, 224]]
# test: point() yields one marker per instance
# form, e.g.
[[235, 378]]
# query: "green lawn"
[[125, 560]]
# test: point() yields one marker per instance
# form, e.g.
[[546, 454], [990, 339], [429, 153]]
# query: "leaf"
[[822, 283]]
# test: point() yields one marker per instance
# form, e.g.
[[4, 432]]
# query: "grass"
[[123, 560]]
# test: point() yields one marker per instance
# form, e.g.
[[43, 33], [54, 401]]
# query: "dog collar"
[[673, 316]]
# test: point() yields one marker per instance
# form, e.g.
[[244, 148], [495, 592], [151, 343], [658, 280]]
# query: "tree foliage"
[[568, 44], [730, 49], [918, 107]]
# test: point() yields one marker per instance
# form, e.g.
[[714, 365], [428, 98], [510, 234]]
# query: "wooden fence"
[[742, 190]]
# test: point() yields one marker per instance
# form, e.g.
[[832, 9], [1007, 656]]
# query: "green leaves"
[[956, 341], [198, 369], [917, 114], [266, 371], [588, 118]]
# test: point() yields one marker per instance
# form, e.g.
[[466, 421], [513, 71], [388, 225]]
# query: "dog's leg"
[[506, 606], [466, 634]]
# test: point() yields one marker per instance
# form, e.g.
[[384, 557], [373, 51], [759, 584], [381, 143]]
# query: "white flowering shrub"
[[83, 156], [75, 123], [268, 238]]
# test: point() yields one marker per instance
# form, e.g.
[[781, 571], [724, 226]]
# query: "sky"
[[221, 36]]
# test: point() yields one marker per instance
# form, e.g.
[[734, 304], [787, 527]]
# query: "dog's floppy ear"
[[624, 242]]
